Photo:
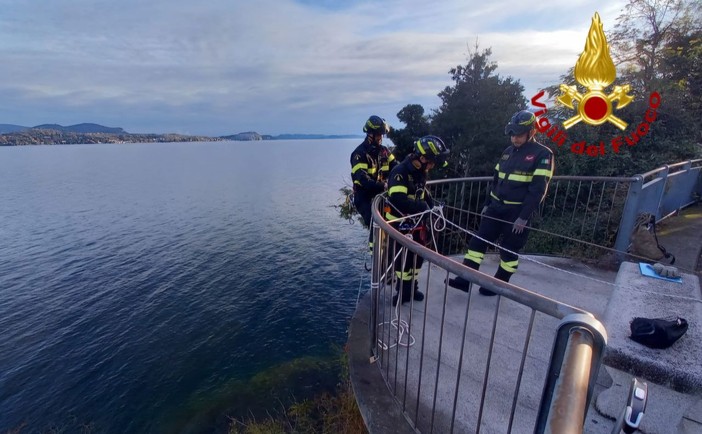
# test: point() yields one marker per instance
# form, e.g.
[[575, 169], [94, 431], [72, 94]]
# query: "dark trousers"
[[490, 230], [407, 264], [363, 205]]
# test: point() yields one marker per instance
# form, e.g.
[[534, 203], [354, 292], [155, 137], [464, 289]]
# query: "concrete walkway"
[[681, 235], [568, 281]]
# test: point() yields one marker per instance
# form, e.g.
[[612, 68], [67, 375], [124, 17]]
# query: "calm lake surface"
[[138, 281]]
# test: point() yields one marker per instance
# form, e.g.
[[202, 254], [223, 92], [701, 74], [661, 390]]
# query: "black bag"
[[657, 332]]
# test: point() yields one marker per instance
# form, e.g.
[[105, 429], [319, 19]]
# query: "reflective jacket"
[[522, 176], [370, 166], [406, 193]]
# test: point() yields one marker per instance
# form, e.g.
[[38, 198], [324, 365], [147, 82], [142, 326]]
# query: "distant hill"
[[81, 128], [248, 135], [9, 128], [314, 136], [251, 135]]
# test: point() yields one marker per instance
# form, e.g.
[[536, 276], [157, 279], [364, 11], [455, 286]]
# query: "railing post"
[[376, 270], [687, 168], [575, 363], [629, 214], [663, 176]]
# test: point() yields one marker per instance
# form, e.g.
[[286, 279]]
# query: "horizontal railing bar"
[[513, 292], [555, 178]]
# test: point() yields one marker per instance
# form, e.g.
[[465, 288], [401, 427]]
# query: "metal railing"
[[660, 192], [461, 363], [578, 210], [457, 362], [585, 208]]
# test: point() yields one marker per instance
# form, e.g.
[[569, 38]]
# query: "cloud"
[[272, 66]]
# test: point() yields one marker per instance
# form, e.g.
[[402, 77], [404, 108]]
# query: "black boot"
[[461, 283], [406, 291], [487, 292], [502, 275], [417, 295]]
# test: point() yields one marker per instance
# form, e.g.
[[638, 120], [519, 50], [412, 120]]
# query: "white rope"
[[536, 261], [400, 325], [403, 329], [438, 211], [360, 283]]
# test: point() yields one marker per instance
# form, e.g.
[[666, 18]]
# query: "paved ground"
[[681, 235], [443, 313]]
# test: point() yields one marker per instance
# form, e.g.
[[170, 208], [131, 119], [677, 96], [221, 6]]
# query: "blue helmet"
[[376, 125], [433, 149], [522, 122]]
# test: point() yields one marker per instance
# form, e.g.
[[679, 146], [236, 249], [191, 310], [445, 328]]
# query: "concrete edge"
[[378, 407], [657, 372]]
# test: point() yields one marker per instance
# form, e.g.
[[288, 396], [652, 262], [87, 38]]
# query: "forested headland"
[[656, 47]]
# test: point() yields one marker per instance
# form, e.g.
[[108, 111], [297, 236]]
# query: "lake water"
[[142, 284]]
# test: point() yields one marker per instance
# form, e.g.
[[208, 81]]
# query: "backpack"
[[657, 332]]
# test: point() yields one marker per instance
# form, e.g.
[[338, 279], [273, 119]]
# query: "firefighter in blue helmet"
[[371, 163], [518, 187], [406, 196]]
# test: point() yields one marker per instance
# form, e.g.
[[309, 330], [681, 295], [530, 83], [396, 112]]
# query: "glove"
[[665, 270], [518, 226]]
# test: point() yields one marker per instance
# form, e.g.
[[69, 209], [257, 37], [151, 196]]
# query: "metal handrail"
[[650, 173], [520, 295], [578, 344], [580, 327]]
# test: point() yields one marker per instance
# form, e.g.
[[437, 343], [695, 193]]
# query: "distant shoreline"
[[56, 137]]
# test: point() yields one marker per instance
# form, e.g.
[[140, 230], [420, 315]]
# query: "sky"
[[219, 67]]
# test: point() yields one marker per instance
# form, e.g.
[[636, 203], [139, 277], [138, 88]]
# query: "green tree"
[[643, 30], [681, 67], [473, 114], [648, 42], [417, 125], [654, 46]]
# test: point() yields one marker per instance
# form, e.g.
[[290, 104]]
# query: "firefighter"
[[518, 187], [406, 196], [371, 163]]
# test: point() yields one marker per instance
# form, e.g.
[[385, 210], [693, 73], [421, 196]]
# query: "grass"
[[335, 412]]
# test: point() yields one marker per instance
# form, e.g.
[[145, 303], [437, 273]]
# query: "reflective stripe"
[[391, 158], [474, 256], [404, 275], [357, 182], [501, 175], [359, 166], [389, 216], [510, 267], [497, 167], [519, 178], [507, 202], [372, 170], [397, 189], [543, 172]]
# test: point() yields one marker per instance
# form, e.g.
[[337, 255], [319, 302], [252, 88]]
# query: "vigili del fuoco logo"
[[595, 71]]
